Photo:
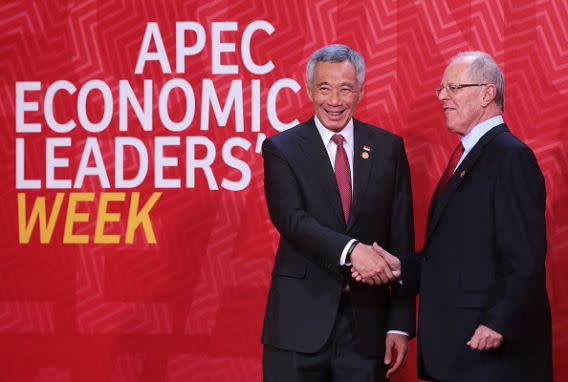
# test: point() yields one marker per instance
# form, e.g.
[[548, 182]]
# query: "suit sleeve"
[[401, 314], [410, 269], [520, 198], [287, 211]]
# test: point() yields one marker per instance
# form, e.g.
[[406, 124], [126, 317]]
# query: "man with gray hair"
[[484, 310], [334, 185]]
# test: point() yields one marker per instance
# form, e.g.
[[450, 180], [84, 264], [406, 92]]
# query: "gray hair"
[[484, 69], [336, 53]]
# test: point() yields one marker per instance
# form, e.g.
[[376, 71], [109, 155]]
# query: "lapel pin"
[[462, 174], [365, 153]]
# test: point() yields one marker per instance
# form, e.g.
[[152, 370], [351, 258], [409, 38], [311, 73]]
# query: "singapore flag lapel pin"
[[366, 151]]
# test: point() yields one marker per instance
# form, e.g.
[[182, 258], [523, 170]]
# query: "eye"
[[346, 90], [324, 89], [453, 86]]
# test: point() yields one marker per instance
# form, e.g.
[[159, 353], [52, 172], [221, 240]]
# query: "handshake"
[[373, 265]]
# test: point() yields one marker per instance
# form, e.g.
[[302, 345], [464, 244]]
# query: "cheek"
[[352, 104], [317, 102]]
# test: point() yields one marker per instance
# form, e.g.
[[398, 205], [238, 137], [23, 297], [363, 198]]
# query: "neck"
[[488, 113]]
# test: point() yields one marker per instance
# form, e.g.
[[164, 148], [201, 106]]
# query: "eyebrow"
[[350, 84]]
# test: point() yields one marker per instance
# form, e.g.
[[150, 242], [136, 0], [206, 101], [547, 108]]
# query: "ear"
[[488, 94]]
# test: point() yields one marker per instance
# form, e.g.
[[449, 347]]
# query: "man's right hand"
[[383, 276], [369, 266]]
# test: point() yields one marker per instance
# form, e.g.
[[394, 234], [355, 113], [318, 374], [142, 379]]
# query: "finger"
[[473, 341], [482, 344], [378, 248], [398, 362], [378, 280], [388, 353], [494, 343], [386, 278], [387, 271], [386, 274], [382, 278], [384, 267]]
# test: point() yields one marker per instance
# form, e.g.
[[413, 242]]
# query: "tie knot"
[[338, 139]]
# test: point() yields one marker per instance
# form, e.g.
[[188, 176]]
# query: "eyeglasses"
[[452, 88]]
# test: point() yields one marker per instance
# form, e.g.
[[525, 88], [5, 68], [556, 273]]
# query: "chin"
[[452, 128], [334, 125]]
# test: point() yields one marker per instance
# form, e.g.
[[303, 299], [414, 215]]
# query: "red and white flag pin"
[[365, 153]]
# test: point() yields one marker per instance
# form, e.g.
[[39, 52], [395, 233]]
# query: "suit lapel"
[[440, 200], [320, 166], [361, 168]]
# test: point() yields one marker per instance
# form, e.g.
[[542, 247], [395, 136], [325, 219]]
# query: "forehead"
[[456, 71], [335, 72]]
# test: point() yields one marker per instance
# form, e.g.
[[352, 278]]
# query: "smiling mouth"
[[334, 114]]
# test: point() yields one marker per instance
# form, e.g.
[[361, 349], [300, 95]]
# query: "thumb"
[[384, 254], [392, 261], [378, 249]]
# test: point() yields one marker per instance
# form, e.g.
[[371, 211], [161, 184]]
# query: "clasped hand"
[[373, 265]]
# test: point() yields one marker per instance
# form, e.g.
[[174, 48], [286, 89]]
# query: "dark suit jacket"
[[483, 263], [304, 205]]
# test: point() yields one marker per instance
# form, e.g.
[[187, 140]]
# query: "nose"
[[334, 97], [442, 93]]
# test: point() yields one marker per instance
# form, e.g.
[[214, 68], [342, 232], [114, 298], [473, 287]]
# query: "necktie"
[[452, 163], [342, 175]]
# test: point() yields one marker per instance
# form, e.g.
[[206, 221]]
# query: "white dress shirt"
[[470, 139], [331, 147]]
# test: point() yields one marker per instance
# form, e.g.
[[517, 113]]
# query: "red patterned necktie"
[[452, 163], [342, 175]]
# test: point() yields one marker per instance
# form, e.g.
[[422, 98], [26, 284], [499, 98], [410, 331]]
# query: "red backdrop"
[[178, 291]]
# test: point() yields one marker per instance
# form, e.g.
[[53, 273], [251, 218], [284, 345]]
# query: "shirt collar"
[[326, 134], [470, 139]]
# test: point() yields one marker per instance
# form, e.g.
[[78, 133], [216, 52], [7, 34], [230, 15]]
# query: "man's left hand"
[[485, 338], [396, 346]]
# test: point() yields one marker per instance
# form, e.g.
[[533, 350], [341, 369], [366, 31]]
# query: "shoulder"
[[290, 135], [507, 144], [512, 152], [287, 142]]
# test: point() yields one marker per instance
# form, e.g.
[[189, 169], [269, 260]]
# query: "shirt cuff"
[[344, 253], [398, 332]]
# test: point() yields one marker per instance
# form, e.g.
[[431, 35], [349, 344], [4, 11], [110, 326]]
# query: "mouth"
[[334, 114], [448, 109]]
